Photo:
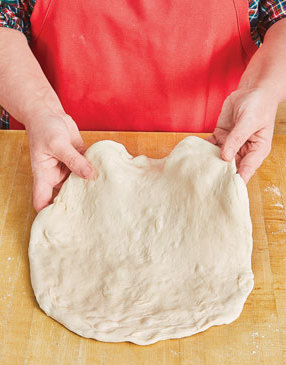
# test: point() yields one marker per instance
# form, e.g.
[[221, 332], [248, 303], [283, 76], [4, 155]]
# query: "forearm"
[[267, 68], [24, 90]]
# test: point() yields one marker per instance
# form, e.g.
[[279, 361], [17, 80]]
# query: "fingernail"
[[88, 172], [229, 153], [246, 175]]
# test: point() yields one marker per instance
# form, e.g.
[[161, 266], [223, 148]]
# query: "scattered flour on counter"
[[255, 336], [280, 205], [274, 189], [175, 353], [5, 296], [283, 230]]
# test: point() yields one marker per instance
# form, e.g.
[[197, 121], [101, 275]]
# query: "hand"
[[56, 148], [244, 129]]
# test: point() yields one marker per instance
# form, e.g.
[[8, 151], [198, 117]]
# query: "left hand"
[[244, 129]]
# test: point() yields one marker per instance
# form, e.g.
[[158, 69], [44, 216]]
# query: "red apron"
[[142, 65]]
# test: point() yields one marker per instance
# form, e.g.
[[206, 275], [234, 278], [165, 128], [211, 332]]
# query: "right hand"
[[56, 148]]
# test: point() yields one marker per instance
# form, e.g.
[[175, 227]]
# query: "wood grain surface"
[[28, 336], [280, 121]]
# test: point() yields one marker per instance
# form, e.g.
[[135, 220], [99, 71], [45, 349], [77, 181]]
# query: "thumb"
[[253, 159], [249, 164], [76, 162], [42, 193], [235, 140]]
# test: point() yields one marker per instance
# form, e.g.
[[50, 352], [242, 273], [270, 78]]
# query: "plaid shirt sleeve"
[[263, 14], [16, 15]]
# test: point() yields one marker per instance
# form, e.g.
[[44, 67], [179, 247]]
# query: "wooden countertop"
[[28, 336]]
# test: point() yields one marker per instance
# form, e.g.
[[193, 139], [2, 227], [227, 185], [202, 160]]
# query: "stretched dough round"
[[149, 250]]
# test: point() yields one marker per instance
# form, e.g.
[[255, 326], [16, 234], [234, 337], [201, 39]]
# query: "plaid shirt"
[[16, 14]]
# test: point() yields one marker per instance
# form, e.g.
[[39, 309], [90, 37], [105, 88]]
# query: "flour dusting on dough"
[[147, 251]]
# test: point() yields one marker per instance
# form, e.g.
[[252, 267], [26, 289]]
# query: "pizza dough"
[[149, 250]]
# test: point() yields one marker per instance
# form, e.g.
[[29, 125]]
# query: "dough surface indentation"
[[151, 249]]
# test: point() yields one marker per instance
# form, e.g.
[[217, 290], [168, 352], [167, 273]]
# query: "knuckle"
[[54, 144], [245, 113], [233, 96], [238, 140], [226, 102], [240, 107], [69, 119], [72, 161], [80, 147]]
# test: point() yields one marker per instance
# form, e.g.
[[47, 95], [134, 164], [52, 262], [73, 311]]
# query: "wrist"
[[43, 117], [263, 74], [43, 106], [268, 91]]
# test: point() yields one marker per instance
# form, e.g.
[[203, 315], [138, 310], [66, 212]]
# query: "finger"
[[55, 193], [250, 163], [219, 136], [212, 139], [42, 194], [76, 162], [76, 138], [78, 143], [235, 140], [59, 185], [63, 174], [226, 115], [237, 160]]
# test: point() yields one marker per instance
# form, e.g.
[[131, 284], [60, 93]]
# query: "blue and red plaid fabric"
[[263, 14], [16, 14]]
